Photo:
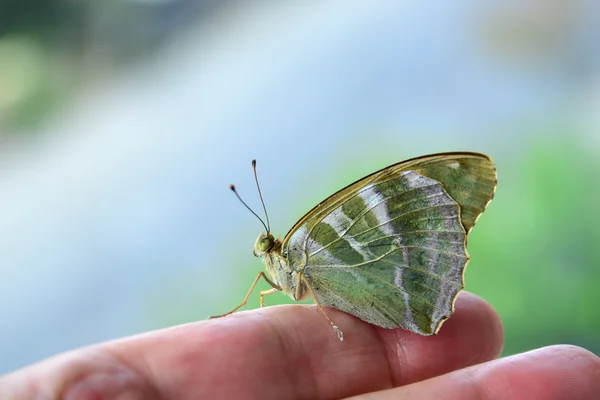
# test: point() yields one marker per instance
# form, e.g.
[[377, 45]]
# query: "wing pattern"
[[391, 248]]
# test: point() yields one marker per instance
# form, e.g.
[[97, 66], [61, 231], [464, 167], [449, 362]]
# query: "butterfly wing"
[[391, 247]]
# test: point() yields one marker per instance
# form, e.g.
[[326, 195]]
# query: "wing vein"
[[385, 223], [337, 205]]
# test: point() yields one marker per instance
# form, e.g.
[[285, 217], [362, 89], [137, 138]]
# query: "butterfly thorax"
[[277, 267]]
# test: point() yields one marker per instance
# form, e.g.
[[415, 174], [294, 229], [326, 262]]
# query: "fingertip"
[[472, 335], [474, 313], [555, 372]]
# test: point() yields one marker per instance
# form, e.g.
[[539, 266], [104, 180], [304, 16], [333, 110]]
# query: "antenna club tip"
[[254, 163], [232, 187]]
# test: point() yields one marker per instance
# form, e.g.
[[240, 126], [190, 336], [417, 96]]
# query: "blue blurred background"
[[123, 122]]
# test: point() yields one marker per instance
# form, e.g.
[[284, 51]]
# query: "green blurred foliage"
[[535, 255], [49, 48], [534, 252], [34, 77], [44, 19]]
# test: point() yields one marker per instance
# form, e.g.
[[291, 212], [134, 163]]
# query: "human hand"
[[290, 352]]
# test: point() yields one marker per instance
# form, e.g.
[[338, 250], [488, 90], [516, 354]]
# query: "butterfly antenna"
[[261, 197], [246, 205]]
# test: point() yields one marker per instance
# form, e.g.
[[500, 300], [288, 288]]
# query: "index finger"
[[277, 352]]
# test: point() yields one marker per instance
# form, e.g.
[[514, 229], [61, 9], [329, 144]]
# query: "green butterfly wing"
[[391, 247]]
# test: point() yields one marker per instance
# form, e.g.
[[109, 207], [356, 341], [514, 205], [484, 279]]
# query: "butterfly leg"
[[336, 329], [276, 288], [265, 293]]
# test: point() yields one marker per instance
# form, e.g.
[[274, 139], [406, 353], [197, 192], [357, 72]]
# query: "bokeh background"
[[122, 123]]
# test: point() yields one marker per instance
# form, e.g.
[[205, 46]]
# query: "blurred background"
[[122, 123]]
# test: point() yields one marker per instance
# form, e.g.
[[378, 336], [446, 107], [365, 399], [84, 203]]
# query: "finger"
[[292, 352], [551, 373], [287, 351]]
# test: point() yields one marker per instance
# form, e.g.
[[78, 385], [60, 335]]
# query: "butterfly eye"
[[266, 243]]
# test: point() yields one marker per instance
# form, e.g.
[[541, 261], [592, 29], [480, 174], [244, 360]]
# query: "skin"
[[291, 352]]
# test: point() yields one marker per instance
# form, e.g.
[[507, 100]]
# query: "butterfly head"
[[264, 243]]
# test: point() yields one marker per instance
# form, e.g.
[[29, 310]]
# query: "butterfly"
[[390, 248]]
